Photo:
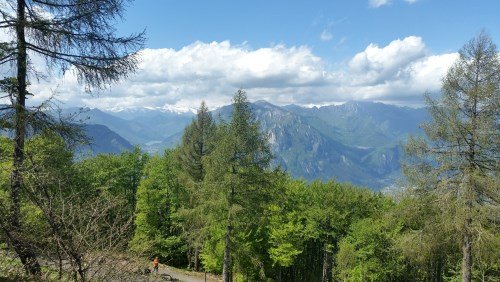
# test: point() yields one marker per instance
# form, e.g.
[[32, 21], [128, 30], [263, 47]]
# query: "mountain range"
[[359, 142]]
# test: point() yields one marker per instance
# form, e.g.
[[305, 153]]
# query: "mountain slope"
[[357, 142], [163, 123], [309, 152], [139, 129], [103, 140], [365, 124]]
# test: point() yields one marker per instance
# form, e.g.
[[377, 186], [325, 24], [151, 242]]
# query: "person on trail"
[[155, 265]]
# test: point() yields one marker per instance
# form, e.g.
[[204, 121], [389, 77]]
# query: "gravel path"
[[185, 276]]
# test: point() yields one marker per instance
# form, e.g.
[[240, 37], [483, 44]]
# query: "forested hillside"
[[250, 191], [215, 204], [357, 142]]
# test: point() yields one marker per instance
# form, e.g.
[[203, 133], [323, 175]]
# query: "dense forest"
[[215, 203]]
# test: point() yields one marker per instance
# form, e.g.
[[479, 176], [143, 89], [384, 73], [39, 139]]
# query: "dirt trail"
[[185, 276]]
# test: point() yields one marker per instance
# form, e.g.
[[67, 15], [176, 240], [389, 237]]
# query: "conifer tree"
[[197, 143], [71, 35], [461, 155], [237, 171]]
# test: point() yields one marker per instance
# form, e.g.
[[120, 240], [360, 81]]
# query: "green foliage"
[[197, 142], [308, 221], [48, 167], [218, 184], [288, 226], [428, 239], [213, 246], [157, 230], [6, 150], [64, 217], [239, 185], [459, 161], [116, 175], [367, 253]]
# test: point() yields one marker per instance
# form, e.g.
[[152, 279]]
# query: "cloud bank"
[[396, 73]]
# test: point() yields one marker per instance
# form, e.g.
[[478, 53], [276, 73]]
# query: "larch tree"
[[197, 143], [237, 170], [71, 35], [461, 156]]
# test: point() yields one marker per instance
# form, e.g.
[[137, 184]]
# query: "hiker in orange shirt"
[[155, 265]]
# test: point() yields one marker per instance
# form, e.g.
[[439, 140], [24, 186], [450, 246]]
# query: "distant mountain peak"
[[146, 110], [357, 141], [178, 109], [266, 105], [263, 103]]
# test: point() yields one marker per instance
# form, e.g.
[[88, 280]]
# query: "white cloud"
[[398, 72], [403, 85], [375, 64], [426, 73], [379, 3], [237, 65], [410, 1], [200, 71], [326, 35]]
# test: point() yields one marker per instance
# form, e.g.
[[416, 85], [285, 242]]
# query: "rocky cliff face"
[[313, 143], [359, 142]]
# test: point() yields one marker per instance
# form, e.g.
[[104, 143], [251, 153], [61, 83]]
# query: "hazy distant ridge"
[[357, 141]]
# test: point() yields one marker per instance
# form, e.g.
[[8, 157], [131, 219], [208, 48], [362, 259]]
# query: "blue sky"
[[301, 52], [352, 24]]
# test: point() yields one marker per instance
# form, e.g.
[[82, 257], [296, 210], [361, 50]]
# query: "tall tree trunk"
[[439, 271], [197, 258], [189, 256], [327, 265], [23, 250], [327, 256], [226, 267], [60, 262], [469, 185], [467, 235], [467, 252], [79, 264]]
